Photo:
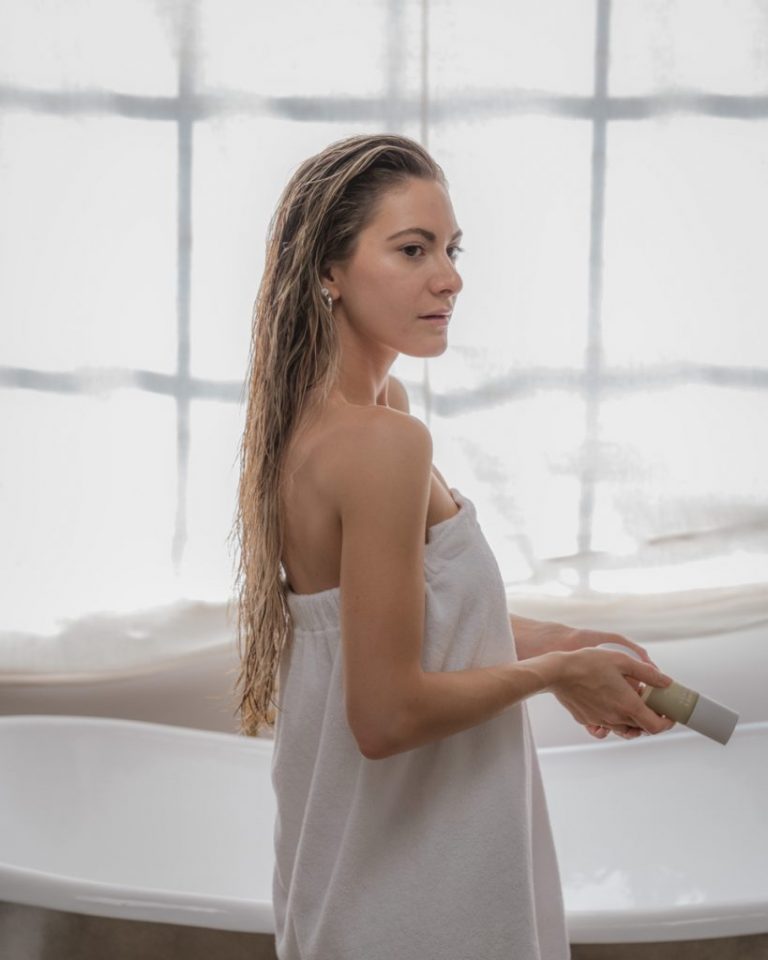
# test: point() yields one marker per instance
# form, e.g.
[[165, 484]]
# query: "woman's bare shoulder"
[[381, 423], [372, 437]]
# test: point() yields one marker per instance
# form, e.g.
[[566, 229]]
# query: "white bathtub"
[[664, 837], [661, 838], [123, 818]]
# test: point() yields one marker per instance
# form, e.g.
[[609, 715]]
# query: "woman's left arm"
[[536, 637]]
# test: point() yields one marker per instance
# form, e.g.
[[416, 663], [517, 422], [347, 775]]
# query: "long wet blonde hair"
[[295, 351]]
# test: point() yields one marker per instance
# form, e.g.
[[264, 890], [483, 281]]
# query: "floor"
[[31, 933]]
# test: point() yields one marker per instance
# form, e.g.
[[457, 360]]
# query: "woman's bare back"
[[312, 547]]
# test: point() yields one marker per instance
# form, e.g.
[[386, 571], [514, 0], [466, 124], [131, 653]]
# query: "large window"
[[604, 396]]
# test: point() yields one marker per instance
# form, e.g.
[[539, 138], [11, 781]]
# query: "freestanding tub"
[[660, 838]]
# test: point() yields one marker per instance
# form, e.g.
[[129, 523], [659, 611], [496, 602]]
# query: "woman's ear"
[[327, 280]]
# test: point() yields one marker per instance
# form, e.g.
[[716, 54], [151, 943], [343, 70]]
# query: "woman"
[[411, 820]]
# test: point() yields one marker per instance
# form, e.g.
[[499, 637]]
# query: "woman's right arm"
[[590, 683], [381, 481]]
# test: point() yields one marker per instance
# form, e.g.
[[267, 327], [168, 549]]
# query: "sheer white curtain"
[[604, 397]]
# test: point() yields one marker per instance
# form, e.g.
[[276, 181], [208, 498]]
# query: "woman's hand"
[[621, 730], [537, 637], [599, 688], [572, 638], [575, 639]]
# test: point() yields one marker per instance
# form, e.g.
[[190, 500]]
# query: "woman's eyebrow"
[[427, 234]]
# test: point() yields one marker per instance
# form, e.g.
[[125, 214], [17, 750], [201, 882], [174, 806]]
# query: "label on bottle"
[[675, 701]]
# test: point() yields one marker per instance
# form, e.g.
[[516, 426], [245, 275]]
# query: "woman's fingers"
[[619, 640], [642, 716], [621, 730], [596, 730], [648, 673], [594, 683], [629, 733], [601, 732], [640, 651]]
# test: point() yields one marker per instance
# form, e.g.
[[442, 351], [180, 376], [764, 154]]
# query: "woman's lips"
[[437, 319]]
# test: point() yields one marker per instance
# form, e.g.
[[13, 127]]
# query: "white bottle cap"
[[713, 719]]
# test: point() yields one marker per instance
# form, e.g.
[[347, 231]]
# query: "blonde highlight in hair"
[[294, 351]]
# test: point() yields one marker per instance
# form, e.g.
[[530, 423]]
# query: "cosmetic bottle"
[[683, 705]]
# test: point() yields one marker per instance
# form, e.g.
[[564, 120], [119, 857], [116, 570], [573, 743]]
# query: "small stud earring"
[[327, 297]]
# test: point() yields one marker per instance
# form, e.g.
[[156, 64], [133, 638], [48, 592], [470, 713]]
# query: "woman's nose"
[[448, 280]]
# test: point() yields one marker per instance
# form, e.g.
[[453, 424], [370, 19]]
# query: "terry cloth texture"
[[443, 852]]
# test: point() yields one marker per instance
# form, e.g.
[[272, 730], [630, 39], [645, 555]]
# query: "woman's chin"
[[427, 350]]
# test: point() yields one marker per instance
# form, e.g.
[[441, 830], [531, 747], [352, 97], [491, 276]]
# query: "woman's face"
[[398, 275]]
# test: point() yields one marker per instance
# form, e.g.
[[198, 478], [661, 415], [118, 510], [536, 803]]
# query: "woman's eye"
[[417, 246]]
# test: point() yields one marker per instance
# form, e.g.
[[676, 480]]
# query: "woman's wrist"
[[550, 668], [568, 639]]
